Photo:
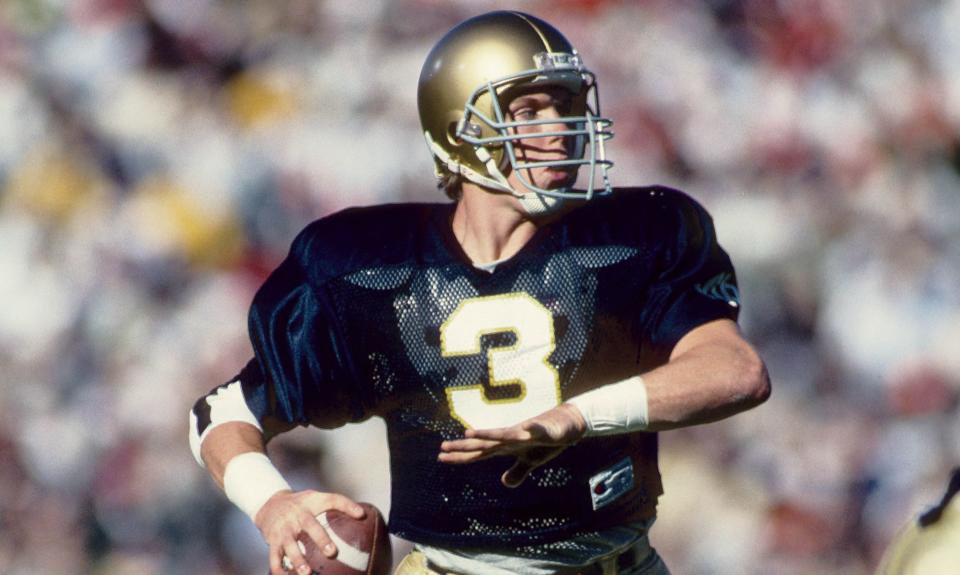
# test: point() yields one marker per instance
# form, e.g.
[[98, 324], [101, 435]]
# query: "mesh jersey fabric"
[[377, 312]]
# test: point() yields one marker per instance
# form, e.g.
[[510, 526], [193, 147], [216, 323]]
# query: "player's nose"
[[553, 130]]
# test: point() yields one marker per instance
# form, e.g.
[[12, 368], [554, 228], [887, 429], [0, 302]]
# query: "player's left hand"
[[532, 442]]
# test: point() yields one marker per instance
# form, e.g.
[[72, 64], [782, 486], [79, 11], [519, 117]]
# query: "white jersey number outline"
[[524, 363]]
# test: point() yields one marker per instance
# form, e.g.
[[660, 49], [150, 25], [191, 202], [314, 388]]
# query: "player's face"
[[547, 103]]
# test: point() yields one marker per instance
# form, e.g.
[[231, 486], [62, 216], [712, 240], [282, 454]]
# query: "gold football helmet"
[[466, 83]]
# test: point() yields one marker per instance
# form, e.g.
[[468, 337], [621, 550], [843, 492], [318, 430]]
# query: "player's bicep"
[[721, 332], [719, 357]]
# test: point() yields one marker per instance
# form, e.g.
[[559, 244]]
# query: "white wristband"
[[614, 408], [250, 479]]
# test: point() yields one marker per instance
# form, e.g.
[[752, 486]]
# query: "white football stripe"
[[349, 556]]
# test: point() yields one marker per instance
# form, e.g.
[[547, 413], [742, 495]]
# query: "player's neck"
[[490, 226]]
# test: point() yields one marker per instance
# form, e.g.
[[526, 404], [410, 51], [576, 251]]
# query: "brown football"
[[363, 545]]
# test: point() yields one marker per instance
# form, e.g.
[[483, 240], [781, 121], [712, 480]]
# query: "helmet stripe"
[[546, 43]]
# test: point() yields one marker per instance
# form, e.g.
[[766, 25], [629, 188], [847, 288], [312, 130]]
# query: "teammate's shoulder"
[[360, 237], [930, 544]]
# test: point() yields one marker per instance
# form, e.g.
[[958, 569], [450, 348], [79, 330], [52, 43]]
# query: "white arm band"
[[250, 479], [614, 408]]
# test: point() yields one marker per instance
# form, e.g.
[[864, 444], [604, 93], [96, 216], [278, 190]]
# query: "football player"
[[930, 544], [523, 343]]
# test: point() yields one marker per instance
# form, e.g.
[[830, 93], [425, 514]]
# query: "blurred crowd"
[[157, 157]]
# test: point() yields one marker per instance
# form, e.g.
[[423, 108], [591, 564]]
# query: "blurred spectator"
[[156, 158]]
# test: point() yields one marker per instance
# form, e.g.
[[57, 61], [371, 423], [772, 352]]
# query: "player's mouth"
[[559, 177], [551, 177]]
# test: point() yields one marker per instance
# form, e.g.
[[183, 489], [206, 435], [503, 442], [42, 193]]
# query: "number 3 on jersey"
[[524, 363]]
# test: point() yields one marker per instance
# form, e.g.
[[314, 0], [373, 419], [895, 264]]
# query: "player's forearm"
[[225, 442], [705, 383]]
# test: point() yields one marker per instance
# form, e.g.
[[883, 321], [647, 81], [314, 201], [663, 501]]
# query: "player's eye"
[[523, 114]]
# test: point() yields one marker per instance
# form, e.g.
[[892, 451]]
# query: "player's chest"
[[555, 292], [461, 348], [446, 321]]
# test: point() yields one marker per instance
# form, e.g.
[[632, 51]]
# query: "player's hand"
[[288, 515], [532, 442]]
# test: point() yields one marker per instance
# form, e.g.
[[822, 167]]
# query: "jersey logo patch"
[[721, 288], [611, 483]]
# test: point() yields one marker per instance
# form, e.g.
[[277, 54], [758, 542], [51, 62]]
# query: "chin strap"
[[499, 184], [533, 203], [484, 156], [538, 205]]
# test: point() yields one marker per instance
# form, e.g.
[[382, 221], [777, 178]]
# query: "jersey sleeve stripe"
[[225, 404]]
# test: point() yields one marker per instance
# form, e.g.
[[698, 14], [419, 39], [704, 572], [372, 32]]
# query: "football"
[[363, 545]]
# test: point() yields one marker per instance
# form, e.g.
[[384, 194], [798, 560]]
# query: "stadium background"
[[156, 158]]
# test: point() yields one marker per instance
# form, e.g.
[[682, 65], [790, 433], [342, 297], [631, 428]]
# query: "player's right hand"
[[289, 515], [532, 442]]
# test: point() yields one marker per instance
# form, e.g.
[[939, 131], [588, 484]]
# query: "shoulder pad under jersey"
[[360, 238]]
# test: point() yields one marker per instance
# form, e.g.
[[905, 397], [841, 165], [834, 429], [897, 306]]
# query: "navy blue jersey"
[[377, 312]]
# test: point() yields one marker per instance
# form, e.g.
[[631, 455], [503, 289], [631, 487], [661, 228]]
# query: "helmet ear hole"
[[452, 134]]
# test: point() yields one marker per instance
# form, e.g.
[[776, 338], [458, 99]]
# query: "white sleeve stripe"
[[226, 405]]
